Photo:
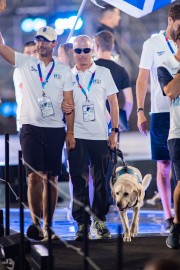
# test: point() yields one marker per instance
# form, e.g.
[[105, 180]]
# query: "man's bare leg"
[[164, 187], [35, 196], [54, 195]]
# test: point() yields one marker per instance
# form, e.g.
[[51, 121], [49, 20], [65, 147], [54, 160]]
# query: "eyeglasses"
[[41, 39], [85, 50]]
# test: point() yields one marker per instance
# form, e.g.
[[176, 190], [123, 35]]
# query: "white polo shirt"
[[155, 52], [172, 66], [103, 85], [59, 81], [18, 94]]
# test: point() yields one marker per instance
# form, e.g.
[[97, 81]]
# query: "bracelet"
[[70, 132], [140, 109], [116, 130]]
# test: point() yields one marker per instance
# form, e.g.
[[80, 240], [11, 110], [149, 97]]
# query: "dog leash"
[[115, 153]]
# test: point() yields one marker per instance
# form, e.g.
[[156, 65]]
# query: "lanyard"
[[89, 84], [168, 43], [43, 83]]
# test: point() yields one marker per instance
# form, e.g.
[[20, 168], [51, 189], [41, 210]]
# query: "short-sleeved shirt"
[[155, 52], [18, 94], [103, 86], [119, 74], [59, 81], [166, 73]]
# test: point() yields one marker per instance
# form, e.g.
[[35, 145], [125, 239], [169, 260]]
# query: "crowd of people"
[[74, 98]]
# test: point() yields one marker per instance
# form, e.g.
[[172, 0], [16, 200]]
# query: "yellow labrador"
[[128, 191]]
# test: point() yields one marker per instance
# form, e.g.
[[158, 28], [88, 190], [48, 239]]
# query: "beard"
[[173, 34]]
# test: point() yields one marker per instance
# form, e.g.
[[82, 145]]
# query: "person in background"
[[171, 263], [104, 42], [155, 51], [29, 49], [43, 131], [109, 20], [169, 79], [65, 54]]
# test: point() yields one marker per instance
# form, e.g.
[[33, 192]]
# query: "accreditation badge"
[[88, 111], [46, 106]]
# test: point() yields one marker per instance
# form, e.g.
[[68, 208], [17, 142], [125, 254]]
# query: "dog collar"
[[129, 171]]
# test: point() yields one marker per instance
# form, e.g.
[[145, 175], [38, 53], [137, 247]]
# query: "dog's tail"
[[146, 181]]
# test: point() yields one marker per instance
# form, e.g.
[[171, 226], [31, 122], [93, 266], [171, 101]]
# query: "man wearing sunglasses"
[[169, 79], [92, 85], [46, 82]]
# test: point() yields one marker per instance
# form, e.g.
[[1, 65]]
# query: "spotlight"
[[27, 25], [71, 22], [38, 23]]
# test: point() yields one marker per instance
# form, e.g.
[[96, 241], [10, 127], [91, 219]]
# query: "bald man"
[[92, 85]]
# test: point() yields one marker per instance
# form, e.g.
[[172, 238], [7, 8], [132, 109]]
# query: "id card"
[[88, 111], [46, 106]]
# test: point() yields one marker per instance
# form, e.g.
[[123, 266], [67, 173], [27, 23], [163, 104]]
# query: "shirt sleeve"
[[20, 59], [110, 84], [68, 85], [147, 57], [164, 77], [125, 80]]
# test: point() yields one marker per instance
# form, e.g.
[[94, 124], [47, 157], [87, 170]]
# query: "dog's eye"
[[126, 194], [117, 193]]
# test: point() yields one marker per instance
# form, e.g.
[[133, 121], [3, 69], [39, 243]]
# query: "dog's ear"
[[112, 189]]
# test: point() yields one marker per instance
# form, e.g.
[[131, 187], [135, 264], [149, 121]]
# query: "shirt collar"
[[91, 69]]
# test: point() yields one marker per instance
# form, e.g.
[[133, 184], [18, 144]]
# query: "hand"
[[70, 141], [66, 107], [112, 141], [142, 123]]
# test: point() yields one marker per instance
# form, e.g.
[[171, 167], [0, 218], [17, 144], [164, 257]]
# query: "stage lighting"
[[8, 109], [38, 23], [27, 25], [71, 22], [68, 23]]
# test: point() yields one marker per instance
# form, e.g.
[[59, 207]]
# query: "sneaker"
[[167, 224], [173, 238], [79, 236], [35, 232], [155, 199], [100, 230], [53, 235]]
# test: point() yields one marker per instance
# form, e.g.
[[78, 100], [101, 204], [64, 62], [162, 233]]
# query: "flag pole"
[[78, 15]]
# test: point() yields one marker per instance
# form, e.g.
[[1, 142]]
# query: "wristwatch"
[[116, 130], [139, 109]]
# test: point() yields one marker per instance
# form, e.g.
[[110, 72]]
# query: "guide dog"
[[128, 191]]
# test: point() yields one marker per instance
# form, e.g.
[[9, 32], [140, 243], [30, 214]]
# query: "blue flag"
[[137, 8]]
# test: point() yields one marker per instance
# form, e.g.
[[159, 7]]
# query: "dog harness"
[[129, 171]]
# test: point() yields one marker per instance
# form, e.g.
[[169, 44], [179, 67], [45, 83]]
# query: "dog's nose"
[[118, 205]]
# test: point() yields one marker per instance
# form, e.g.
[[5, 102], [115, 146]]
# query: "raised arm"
[[7, 53], [141, 90]]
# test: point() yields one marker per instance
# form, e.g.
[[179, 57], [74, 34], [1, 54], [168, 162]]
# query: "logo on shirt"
[[160, 53], [33, 69], [57, 76], [97, 81]]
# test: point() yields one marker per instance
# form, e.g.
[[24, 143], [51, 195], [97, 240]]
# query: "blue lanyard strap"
[[43, 83], [168, 43], [89, 84]]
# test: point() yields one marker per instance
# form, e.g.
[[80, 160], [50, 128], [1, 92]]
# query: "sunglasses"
[[85, 50], [41, 39]]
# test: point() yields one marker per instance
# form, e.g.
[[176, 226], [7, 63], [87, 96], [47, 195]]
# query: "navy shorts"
[[174, 151], [159, 131], [42, 148]]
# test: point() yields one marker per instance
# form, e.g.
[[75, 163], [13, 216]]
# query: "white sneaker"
[[154, 199]]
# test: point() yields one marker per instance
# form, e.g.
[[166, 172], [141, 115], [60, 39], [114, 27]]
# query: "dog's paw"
[[134, 231], [127, 237]]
